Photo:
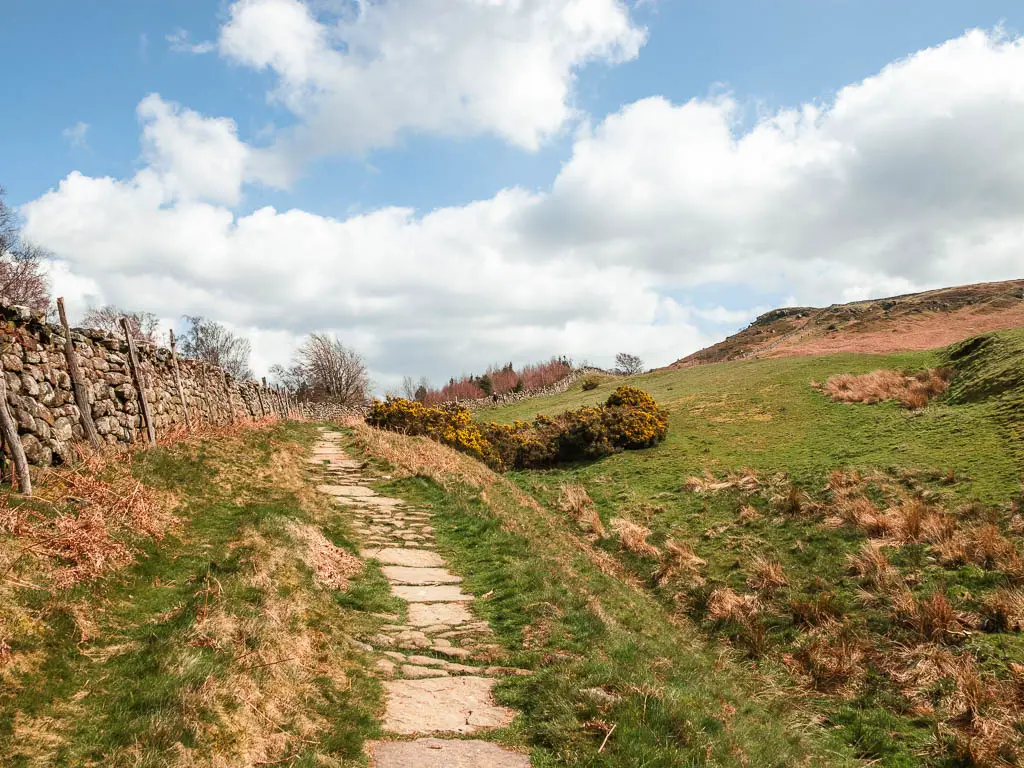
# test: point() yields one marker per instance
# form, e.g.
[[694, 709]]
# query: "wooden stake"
[[227, 391], [10, 432], [78, 381], [177, 383], [259, 396], [140, 382], [211, 400]]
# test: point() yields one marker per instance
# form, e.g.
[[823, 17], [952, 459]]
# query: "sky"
[[447, 184]]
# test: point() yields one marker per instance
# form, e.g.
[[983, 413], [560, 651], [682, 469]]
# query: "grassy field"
[[617, 679], [784, 581], [811, 542], [209, 642]]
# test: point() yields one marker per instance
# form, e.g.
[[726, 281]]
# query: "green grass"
[[604, 652], [171, 638], [764, 415]]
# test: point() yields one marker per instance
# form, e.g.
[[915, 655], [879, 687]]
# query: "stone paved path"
[[438, 665]]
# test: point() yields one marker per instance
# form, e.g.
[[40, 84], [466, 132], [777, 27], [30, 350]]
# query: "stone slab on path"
[[441, 594], [413, 558], [346, 490], [430, 614], [437, 753], [401, 574], [443, 705]]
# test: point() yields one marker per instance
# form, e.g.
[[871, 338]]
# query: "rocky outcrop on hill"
[[899, 323]]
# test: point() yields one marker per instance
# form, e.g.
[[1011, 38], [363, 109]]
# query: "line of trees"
[[496, 380]]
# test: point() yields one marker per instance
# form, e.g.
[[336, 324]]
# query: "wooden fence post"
[[259, 396], [140, 382], [10, 432], [177, 383], [211, 395], [77, 381], [227, 391]]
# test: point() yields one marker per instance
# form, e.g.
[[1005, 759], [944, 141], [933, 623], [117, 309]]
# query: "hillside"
[[897, 324], [835, 547], [785, 580]]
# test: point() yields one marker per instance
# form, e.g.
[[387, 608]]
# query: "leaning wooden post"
[[177, 382], [10, 432], [210, 395], [78, 381], [269, 409], [140, 382], [259, 396], [227, 391]]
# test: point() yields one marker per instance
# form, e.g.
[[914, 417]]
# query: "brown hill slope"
[[914, 321]]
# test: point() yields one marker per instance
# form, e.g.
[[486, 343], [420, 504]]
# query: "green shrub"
[[630, 419], [590, 383]]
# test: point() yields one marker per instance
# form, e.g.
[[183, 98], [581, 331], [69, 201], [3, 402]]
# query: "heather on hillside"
[[498, 380]]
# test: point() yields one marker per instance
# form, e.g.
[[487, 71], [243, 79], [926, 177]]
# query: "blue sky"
[[92, 64]]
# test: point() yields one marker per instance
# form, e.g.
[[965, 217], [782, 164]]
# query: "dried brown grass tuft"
[[680, 561], [984, 545], [912, 391], [746, 481], [872, 565], [817, 610], [725, 604], [1003, 611], [634, 537], [766, 575], [831, 662], [932, 618], [748, 514], [574, 499], [332, 565]]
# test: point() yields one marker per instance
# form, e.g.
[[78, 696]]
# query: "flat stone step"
[[441, 594], [355, 491], [442, 705], [433, 614], [414, 558], [401, 574], [438, 753]]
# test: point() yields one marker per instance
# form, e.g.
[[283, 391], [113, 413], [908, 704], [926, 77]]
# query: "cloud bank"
[[910, 179]]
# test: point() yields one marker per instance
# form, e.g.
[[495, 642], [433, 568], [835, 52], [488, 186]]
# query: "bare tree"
[[628, 364], [210, 341], [22, 274], [408, 387], [292, 378], [325, 369], [142, 325]]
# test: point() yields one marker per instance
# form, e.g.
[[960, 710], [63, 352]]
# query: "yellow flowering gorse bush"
[[630, 419]]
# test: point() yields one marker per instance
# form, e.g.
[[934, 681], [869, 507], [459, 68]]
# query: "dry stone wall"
[[557, 388], [323, 411], [41, 400]]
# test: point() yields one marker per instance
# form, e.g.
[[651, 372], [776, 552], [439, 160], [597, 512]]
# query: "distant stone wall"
[[41, 400], [332, 411], [557, 388]]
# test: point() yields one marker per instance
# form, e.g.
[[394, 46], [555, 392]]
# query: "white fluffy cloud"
[[451, 67], [913, 178]]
